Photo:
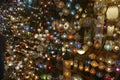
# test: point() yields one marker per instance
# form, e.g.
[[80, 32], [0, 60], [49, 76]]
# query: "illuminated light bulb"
[[83, 15], [80, 9], [17, 67], [68, 4], [10, 64], [71, 63], [36, 36], [92, 56], [110, 61], [39, 30], [46, 55], [117, 69], [63, 54], [30, 62], [27, 46], [49, 67], [12, 18], [48, 59], [36, 77]]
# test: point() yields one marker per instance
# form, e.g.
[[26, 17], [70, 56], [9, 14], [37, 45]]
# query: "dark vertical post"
[[2, 51]]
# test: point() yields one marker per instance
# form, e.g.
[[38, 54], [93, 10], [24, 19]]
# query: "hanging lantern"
[[67, 73], [81, 67], [94, 63], [87, 68], [65, 11], [109, 69], [101, 66], [110, 61], [60, 4], [92, 56], [112, 13], [97, 45], [80, 51], [85, 47], [92, 71], [110, 30], [100, 7]]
